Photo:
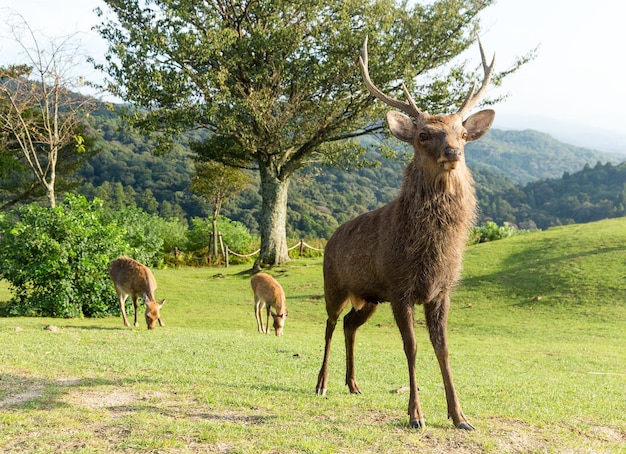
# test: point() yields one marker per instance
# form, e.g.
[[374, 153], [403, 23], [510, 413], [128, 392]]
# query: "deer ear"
[[161, 303], [401, 126], [478, 124]]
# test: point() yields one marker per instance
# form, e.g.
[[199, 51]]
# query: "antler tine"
[[472, 99], [407, 107]]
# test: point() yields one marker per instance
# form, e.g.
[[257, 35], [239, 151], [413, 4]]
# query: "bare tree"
[[39, 109]]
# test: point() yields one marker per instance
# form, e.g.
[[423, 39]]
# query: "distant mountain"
[[529, 155], [581, 135]]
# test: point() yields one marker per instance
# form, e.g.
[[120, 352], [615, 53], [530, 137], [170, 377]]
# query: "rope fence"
[[301, 244]]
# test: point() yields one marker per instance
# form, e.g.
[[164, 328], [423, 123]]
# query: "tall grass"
[[537, 332]]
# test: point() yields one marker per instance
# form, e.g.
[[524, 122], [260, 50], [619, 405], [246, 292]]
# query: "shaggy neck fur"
[[433, 216]]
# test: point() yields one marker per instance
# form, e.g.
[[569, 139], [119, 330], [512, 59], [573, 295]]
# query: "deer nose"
[[452, 154]]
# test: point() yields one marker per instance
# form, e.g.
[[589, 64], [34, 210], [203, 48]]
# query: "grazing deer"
[[133, 279], [269, 293], [409, 251]]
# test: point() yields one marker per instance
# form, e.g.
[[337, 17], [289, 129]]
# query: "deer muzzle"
[[450, 159]]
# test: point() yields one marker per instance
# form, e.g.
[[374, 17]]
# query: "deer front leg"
[[437, 320], [351, 323], [267, 319], [136, 304], [258, 307], [404, 319], [322, 378], [122, 301]]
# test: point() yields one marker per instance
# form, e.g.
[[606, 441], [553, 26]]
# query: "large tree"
[[276, 82]]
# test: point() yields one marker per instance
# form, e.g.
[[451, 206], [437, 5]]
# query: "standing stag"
[[409, 251], [134, 279]]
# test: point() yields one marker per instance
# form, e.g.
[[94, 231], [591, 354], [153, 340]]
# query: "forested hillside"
[[510, 167], [591, 194], [529, 155]]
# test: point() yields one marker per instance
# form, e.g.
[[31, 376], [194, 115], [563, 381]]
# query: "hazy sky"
[[578, 76]]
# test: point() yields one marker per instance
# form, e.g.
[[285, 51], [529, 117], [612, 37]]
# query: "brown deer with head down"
[[134, 279], [269, 293], [409, 251]]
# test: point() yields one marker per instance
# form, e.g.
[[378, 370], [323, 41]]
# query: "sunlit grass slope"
[[537, 332]]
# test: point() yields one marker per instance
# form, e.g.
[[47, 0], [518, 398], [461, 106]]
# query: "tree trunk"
[[273, 218], [51, 195], [215, 246]]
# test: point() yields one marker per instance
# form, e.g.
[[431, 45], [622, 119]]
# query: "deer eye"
[[464, 135], [423, 136]]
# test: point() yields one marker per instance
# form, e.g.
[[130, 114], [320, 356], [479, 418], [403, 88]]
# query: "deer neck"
[[437, 199]]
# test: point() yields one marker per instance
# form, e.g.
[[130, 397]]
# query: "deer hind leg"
[[437, 319], [403, 315], [122, 301], [351, 323]]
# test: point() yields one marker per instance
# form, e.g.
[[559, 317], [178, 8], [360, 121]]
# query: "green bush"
[[490, 231], [148, 234], [56, 259]]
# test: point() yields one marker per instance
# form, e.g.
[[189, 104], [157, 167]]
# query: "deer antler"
[[409, 107], [472, 99]]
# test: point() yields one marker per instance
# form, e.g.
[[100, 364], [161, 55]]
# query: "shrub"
[[490, 231], [148, 234], [56, 259]]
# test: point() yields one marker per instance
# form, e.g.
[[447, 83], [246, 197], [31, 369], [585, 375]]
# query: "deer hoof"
[[320, 392], [418, 424], [465, 426]]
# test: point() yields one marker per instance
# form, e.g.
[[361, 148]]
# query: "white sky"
[[578, 76]]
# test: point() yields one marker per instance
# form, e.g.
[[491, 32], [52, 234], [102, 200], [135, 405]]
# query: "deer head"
[[152, 312], [279, 322], [438, 140]]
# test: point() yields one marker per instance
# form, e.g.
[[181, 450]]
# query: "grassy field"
[[538, 348]]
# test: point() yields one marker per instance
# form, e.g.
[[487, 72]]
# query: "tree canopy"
[[276, 83]]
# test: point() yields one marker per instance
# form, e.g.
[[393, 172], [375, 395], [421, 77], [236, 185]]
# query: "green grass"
[[538, 348]]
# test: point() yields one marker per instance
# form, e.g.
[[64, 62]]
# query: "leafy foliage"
[[275, 83], [490, 231], [56, 259]]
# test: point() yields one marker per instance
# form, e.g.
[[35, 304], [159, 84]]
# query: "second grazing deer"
[[269, 293], [409, 251]]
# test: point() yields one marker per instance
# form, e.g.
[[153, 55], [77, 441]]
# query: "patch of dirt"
[[607, 434], [17, 390], [20, 390], [34, 391], [99, 399]]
